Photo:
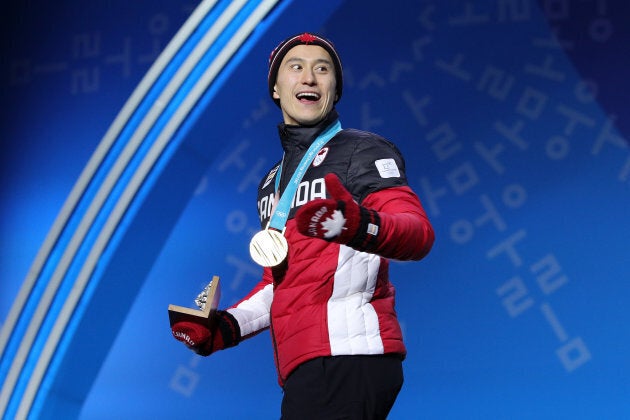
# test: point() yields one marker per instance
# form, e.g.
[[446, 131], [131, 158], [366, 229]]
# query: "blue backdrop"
[[513, 118]]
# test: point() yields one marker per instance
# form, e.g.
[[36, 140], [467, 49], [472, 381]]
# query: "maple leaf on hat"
[[306, 37]]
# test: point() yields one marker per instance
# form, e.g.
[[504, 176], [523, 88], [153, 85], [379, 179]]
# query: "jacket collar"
[[300, 136]]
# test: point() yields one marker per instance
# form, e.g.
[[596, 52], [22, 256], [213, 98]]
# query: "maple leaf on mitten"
[[334, 225], [339, 218]]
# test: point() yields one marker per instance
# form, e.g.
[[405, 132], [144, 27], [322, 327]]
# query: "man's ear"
[[275, 93]]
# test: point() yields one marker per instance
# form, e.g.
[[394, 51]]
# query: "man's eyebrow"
[[316, 61]]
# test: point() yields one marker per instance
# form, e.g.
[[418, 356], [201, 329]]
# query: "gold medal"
[[268, 247]]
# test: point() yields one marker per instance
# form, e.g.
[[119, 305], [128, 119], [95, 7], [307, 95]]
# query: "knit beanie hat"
[[276, 56]]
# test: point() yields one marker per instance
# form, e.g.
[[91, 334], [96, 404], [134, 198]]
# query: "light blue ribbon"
[[281, 214]]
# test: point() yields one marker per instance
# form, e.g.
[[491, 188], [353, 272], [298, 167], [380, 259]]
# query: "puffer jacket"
[[329, 299]]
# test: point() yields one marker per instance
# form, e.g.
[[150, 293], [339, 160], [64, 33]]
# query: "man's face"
[[306, 85]]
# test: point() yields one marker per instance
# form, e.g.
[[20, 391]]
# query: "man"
[[333, 211]]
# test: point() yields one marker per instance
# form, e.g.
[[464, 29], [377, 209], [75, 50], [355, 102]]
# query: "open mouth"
[[307, 97]]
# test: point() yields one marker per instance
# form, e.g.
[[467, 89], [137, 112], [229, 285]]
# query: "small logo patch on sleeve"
[[387, 168], [270, 176]]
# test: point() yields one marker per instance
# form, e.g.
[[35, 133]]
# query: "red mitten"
[[224, 332], [339, 218]]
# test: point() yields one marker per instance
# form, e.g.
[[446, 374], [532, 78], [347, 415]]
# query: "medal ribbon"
[[281, 214]]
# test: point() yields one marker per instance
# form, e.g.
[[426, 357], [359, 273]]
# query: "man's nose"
[[308, 77]]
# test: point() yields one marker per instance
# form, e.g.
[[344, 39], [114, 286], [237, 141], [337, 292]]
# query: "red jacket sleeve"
[[405, 232]]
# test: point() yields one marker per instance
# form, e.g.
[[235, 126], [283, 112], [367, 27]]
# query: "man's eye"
[[296, 67]]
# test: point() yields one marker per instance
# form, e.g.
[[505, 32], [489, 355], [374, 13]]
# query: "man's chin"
[[310, 118]]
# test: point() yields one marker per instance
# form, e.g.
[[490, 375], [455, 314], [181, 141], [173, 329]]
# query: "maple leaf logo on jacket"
[[334, 224]]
